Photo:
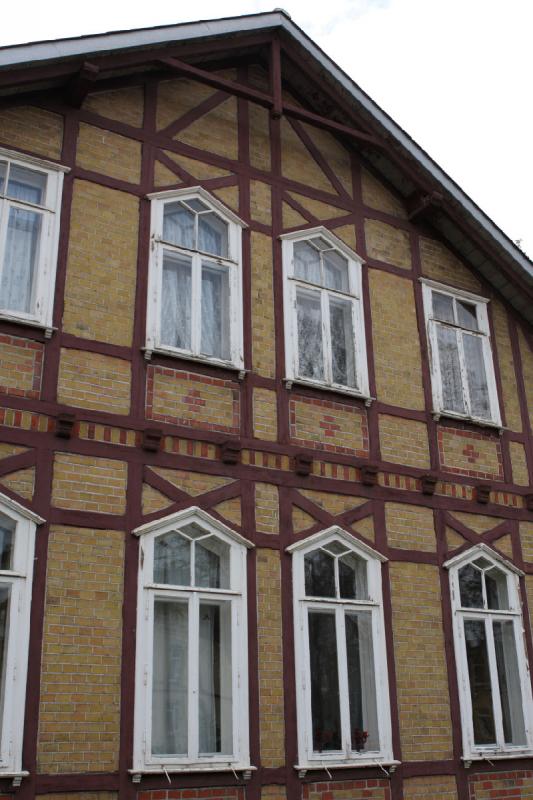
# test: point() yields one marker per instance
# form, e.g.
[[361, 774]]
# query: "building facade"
[[266, 452]]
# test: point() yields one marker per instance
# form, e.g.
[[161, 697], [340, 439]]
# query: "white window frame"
[[50, 210], [481, 303], [307, 758], [472, 751], [19, 578], [233, 262], [355, 295], [143, 760]]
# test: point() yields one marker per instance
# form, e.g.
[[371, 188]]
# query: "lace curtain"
[[22, 248]]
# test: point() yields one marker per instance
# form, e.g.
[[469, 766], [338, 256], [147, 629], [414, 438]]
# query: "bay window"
[[191, 696], [195, 282]]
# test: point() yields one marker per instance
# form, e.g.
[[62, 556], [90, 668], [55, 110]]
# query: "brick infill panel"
[[367, 789], [325, 423], [511, 785], [467, 445], [222, 793], [21, 360]]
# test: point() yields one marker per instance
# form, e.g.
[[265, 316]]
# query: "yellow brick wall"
[[231, 510], [329, 426], [176, 97], [337, 156], [102, 264], [100, 150], [410, 527], [301, 519], [124, 105], [32, 129], [20, 366], [273, 792], [194, 483], [511, 402], [215, 131], [430, 787], [470, 453], [261, 202], [527, 370], [423, 699], [404, 441], [259, 124], [85, 483], [22, 482], [477, 522], [375, 195], [387, 243], [79, 719], [263, 333], [265, 415], [91, 380], [152, 500], [332, 502], [526, 537], [269, 634], [266, 508], [298, 164], [397, 358], [519, 464], [441, 265]]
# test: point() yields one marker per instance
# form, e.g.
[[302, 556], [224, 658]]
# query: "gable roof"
[[472, 234]]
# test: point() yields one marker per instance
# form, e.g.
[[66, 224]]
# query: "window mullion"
[[196, 303], [496, 698], [344, 692], [4, 217], [326, 337], [193, 661]]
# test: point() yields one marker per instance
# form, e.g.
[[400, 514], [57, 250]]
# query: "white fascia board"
[[21, 510]]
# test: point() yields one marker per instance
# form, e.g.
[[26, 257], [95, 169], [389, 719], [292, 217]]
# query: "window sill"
[[290, 382], [491, 756], [29, 323], [159, 769], [16, 777], [482, 423], [328, 766], [211, 362]]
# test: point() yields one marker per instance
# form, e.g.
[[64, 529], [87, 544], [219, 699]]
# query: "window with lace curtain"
[[461, 361], [191, 708], [324, 323], [195, 282], [30, 198]]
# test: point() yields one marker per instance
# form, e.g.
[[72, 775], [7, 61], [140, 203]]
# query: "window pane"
[[211, 563], [467, 316], [509, 681], [212, 234], [477, 378], [450, 370], [176, 302], [442, 307], [496, 589], [178, 225], [26, 184], [352, 577], [5, 592], [214, 680], [325, 708], [20, 259], [197, 205], [470, 587], [3, 170], [480, 686], [336, 271], [170, 679], [215, 312], [319, 574], [309, 318], [7, 543], [342, 342], [306, 262], [172, 559], [361, 682]]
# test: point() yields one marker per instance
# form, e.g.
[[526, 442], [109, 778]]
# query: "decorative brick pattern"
[[387, 243], [32, 129], [193, 483], [430, 787], [124, 105], [519, 464], [511, 785], [21, 364], [263, 333], [95, 381], [404, 441], [266, 508], [375, 195], [102, 264], [94, 432], [84, 483], [410, 527], [398, 363], [25, 420], [334, 504], [219, 793], [440, 264], [183, 398], [265, 415], [369, 789], [423, 699], [189, 447], [21, 482], [325, 425], [99, 150], [465, 452], [79, 720], [269, 635], [256, 458]]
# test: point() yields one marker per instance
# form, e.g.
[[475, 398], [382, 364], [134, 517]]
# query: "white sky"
[[455, 74]]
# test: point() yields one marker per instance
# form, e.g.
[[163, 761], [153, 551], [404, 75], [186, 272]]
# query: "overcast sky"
[[455, 74]]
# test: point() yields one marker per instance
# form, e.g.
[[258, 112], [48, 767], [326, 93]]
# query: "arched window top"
[[484, 580], [321, 245]]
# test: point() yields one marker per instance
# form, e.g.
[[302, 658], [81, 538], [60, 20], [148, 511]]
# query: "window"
[[195, 289], [461, 356], [30, 199], [495, 691], [17, 543], [341, 671], [324, 325], [191, 696]]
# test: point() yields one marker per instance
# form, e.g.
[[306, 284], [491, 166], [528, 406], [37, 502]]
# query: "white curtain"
[[450, 370], [215, 312], [209, 680], [170, 679], [212, 235], [342, 341], [176, 302], [309, 319]]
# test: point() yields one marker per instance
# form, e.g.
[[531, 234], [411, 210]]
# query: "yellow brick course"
[[266, 508], [270, 649], [325, 425], [440, 264], [265, 415], [276, 792], [32, 129], [95, 381], [194, 483], [230, 510], [263, 333], [84, 483], [387, 243], [471, 454], [333, 503], [102, 264], [423, 699], [375, 195], [398, 362], [100, 150], [22, 482], [215, 131], [430, 787], [519, 464], [404, 441], [124, 105], [511, 402], [410, 527]]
